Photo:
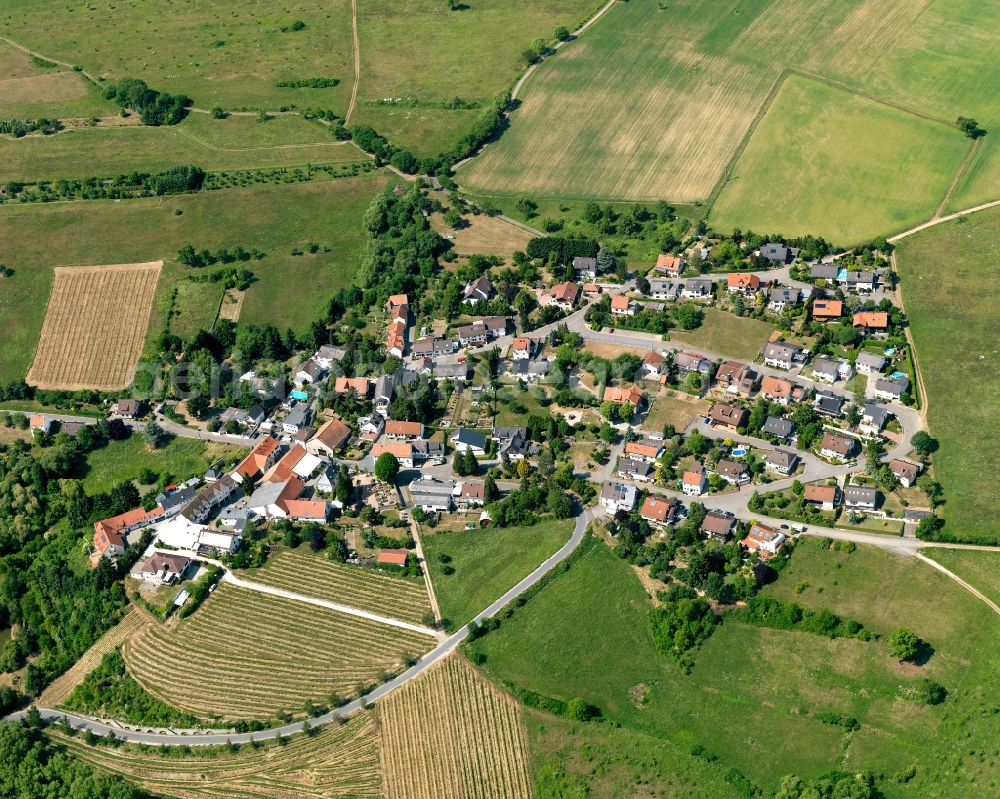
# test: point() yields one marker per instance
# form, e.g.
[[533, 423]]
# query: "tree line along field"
[[753, 690], [248, 655], [655, 99], [233, 144], [95, 327], [948, 277], [839, 152], [338, 761], [451, 734], [311, 575], [289, 290]]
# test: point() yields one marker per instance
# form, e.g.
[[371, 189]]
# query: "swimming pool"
[[899, 374], [739, 452]]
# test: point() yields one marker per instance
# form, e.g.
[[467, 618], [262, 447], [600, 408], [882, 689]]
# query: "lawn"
[[218, 52], [655, 99], [195, 307], [416, 50], [727, 334], [290, 290], [815, 135], [753, 690], [180, 458], [486, 563], [236, 143], [980, 569], [675, 411], [949, 276], [29, 90]]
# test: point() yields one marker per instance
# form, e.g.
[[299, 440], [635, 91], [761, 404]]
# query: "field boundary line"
[[960, 173], [908, 332], [966, 585], [941, 219], [229, 577], [44, 57], [727, 170], [356, 46], [208, 146]]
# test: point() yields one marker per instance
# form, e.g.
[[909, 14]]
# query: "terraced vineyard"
[[452, 734], [248, 655], [398, 597], [339, 761], [63, 686]]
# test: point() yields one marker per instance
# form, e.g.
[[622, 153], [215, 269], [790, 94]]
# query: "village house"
[[397, 305], [585, 267], [433, 347], [643, 450], [728, 417], [892, 390], [395, 337], [164, 568], [669, 265], [403, 431], [470, 494], [522, 348], [780, 355], [733, 472], [823, 495], [696, 288], [863, 282], [825, 272], [308, 372], [660, 289], [562, 295], [622, 306], [424, 451], [282, 500], [432, 495], [764, 540], [779, 427], [591, 290], [402, 450], [742, 283], [905, 472], [298, 417], [825, 310], [618, 497], [258, 461], [689, 363], [869, 363], [860, 498], [827, 370], [718, 526], [694, 482], [837, 447], [736, 378], [530, 371], [658, 511], [327, 354], [40, 423], [479, 290], [451, 371], [632, 395], [873, 418], [109, 534], [871, 323], [208, 499], [128, 409], [781, 461], [359, 385], [652, 365], [781, 391], [385, 387], [781, 298], [778, 253], [371, 426], [826, 403], [466, 440], [639, 471]]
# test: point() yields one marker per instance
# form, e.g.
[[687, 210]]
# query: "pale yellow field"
[[451, 734], [339, 761], [95, 326], [485, 235]]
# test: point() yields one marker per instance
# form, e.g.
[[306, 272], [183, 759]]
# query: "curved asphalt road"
[[442, 650]]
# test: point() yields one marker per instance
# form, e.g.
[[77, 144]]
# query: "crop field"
[[655, 100], [289, 290], [59, 690], [726, 334], [312, 575], [275, 654], [338, 761], [417, 50], [218, 52], [451, 734], [236, 143], [948, 276], [839, 152], [29, 90], [486, 563], [95, 327]]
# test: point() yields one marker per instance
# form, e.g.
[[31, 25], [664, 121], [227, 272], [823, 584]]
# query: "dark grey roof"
[[638, 468], [824, 271], [504, 432], [860, 495], [781, 294], [878, 413], [472, 438], [777, 426], [782, 458], [829, 402]]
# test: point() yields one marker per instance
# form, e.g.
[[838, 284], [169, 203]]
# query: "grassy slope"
[[727, 334], [949, 277], [236, 143], [979, 569], [124, 460], [824, 161], [417, 49], [487, 563], [290, 290], [173, 48], [751, 694], [29, 91]]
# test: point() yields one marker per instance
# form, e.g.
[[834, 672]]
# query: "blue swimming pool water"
[[739, 452], [899, 374]]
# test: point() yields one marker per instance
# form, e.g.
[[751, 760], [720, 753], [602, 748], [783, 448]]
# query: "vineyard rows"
[[339, 761], [95, 326], [60, 689], [451, 734], [251, 655], [310, 575]]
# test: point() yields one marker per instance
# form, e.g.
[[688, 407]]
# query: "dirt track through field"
[[95, 326]]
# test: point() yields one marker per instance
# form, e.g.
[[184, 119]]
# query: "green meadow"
[[948, 276]]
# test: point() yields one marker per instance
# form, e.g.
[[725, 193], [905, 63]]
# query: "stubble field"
[[451, 734], [95, 326]]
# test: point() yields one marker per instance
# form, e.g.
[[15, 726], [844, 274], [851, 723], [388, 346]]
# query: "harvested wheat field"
[[451, 734], [310, 575], [95, 326], [485, 235], [338, 761], [63, 686], [248, 655]]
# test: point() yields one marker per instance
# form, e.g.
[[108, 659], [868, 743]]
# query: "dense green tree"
[[386, 467]]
